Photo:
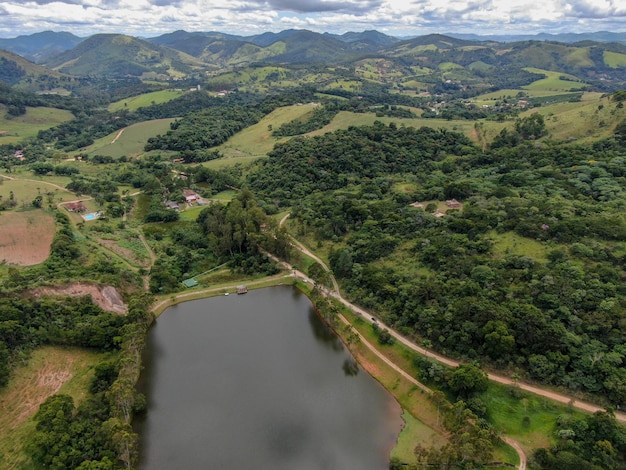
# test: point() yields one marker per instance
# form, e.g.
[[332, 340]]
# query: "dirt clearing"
[[106, 297], [25, 237]]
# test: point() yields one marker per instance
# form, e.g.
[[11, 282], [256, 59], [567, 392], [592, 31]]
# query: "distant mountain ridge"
[[39, 47], [182, 54], [568, 38]]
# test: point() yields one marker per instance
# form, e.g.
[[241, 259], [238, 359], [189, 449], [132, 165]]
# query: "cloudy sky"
[[247, 17]]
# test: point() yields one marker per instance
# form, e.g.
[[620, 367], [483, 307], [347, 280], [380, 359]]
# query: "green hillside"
[[116, 55]]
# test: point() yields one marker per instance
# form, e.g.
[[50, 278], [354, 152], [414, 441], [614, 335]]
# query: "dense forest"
[[559, 319]]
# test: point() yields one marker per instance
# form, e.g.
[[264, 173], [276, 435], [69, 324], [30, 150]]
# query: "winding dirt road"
[[368, 316]]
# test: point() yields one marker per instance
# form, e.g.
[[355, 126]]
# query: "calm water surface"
[[257, 381]]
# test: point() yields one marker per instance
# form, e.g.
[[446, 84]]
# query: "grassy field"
[[345, 119], [514, 244], [527, 418], [36, 119], [592, 118], [147, 99], [255, 141], [614, 59], [129, 141], [25, 191], [553, 81], [50, 370]]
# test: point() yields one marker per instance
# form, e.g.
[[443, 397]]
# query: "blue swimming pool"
[[91, 216]]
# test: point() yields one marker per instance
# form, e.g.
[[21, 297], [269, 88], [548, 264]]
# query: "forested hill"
[[529, 275], [302, 166]]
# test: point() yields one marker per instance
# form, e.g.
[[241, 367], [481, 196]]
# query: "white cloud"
[[401, 17]]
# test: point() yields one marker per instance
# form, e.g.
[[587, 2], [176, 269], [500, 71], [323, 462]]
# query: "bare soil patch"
[[26, 237], [106, 297]]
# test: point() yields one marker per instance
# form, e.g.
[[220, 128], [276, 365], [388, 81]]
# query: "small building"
[[190, 196], [189, 283], [76, 207], [242, 289], [172, 205], [453, 203]]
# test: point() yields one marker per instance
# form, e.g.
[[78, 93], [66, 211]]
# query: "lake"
[[257, 381]]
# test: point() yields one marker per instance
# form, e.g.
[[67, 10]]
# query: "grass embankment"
[[49, 370], [224, 286]]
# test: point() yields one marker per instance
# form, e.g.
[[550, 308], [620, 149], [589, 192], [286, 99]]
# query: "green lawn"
[[527, 418]]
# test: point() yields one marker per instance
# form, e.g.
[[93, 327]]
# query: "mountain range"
[[39, 47], [182, 54]]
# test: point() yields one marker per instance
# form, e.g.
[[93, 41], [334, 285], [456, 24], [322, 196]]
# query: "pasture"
[[28, 125], [345, 119], [24, 191], [553, 81], [255, 141], [592, 118], [614, 59], [25, 237], [129, 141], [147, 99]]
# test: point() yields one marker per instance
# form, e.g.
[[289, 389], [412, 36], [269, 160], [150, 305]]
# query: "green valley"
[[466, 196]]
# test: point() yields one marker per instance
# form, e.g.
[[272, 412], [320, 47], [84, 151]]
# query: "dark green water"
[[257, 381]]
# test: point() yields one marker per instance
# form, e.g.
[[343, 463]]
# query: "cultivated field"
[[36, 119], [25, 237]]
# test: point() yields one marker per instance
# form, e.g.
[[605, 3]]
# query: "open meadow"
[[554, 81], [24, 191], [28, 125], [255, 141], [133, 103], [129, 141]]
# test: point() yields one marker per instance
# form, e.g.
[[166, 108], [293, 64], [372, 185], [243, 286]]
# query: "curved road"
[[585, 406]]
